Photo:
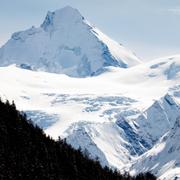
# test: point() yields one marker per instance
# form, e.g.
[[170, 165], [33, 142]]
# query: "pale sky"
[[150, 28]]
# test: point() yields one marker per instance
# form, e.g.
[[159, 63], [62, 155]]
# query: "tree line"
[[26, 153]]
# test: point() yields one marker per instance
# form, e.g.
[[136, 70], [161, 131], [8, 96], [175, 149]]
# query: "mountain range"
[[77, 83]]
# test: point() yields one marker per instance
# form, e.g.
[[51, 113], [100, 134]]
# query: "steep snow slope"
[[103, 113], [163, 159], [159, 118], [65, 43], [104, 141]]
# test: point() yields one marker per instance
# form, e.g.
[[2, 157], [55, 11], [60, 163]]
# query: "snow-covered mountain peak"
[[65, 16], [66, 43], [68, 11]]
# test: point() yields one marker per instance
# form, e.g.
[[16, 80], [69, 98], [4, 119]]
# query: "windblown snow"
[[128, 118]]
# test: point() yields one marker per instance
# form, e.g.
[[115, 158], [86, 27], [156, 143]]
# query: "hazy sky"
[[150, 28]]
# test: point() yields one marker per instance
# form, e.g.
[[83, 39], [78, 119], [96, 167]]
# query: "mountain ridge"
[[119, 116]]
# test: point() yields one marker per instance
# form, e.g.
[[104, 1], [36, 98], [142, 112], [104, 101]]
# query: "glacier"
[[117, 117], [77, 83]]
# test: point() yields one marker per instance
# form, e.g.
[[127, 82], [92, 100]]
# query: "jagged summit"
[[69, 10], [64, 15], [66, 43]]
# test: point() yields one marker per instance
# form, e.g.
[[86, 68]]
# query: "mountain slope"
[[159, 118], [65, 43], [118, 115], [106, 110], [163, 159], [27, 153]]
